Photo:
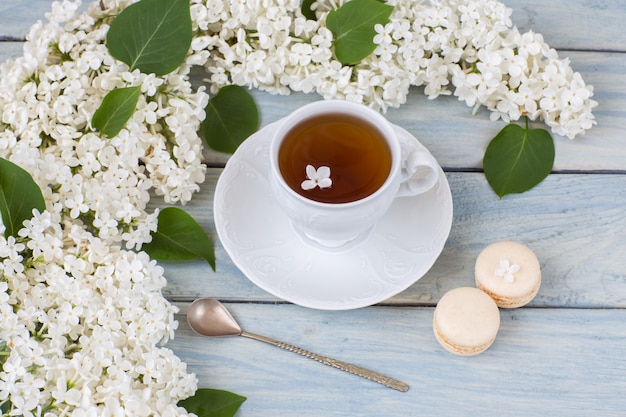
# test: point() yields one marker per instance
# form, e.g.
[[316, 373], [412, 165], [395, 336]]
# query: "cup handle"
[[420, 173]]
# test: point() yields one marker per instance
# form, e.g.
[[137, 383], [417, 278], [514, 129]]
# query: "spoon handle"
[[344, 366]]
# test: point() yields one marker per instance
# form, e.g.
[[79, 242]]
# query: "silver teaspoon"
[[209, 317]]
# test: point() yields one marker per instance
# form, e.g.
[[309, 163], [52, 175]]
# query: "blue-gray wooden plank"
[[574, 223], [17, 16], [576, 25], [458, 139], [10, 50], [544, 362]]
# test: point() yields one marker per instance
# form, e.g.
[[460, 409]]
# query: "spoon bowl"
[[209, 317]]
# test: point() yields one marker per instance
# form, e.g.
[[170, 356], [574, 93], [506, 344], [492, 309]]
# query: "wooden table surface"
[[562, 355]]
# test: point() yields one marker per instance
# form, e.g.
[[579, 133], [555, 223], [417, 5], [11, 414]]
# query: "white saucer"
[[259, 238]]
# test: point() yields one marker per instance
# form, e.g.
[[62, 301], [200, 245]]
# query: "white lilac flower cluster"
[[47, 99], [466, 48], [82, 319]]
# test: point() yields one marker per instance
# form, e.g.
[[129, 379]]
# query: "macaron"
[[466, 321], [509, 272]]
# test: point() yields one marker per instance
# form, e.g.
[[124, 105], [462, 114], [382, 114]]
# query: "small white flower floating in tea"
[[319, 177], [507, 270]]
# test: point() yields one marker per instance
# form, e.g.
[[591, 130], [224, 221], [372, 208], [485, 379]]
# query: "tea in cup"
[[336, 167]]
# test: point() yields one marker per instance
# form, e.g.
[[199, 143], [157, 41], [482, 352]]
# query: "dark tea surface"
[[356, 152]]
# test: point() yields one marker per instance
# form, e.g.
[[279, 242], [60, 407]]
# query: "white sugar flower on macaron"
[[509, 272]]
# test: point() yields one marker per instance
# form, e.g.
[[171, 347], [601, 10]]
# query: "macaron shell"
[[459, 349], [524, 279], [466, 321]]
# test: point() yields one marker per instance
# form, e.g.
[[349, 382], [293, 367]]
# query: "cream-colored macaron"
[[466, 321], [509, 272]]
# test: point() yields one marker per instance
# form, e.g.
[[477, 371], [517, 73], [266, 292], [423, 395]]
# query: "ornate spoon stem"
[[344, 366]]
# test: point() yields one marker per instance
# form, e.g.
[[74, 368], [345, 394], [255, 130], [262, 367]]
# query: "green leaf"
[[179, 238], [116, 109], [353, 27], [306, 9], [231, 116], [19, 195], [6, 407], [213, 403], [517, 159], [152, 35]]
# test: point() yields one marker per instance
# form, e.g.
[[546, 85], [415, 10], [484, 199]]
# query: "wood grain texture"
[[574, 223], [578, 25], [458, 139], [17, 16], [10, 50], [557, 362]]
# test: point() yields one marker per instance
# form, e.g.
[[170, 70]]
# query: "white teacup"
[[329, 225]]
